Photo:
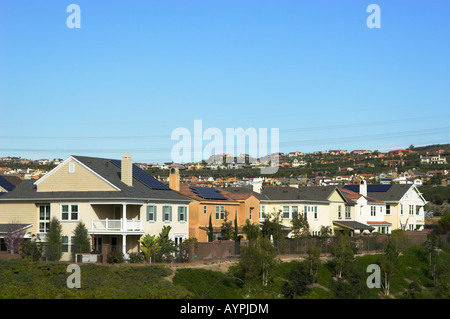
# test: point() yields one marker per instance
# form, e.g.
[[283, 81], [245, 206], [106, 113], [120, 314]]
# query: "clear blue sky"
[[136, 70]]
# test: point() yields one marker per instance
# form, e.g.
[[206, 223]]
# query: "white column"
[[124, 216], [124, 245]]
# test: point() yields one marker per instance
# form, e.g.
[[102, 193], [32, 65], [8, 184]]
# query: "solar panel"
[[207, 192], [144, 177], [6, 184], [353, 188], [378, 188]]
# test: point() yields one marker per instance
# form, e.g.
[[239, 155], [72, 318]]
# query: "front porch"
[[118, 225]]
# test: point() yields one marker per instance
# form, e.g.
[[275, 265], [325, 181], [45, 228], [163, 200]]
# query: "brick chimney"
[[174, 179], [127, 169]]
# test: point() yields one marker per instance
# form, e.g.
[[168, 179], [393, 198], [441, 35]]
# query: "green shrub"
[[115, 257]]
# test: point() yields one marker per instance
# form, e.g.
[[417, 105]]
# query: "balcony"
[[116, 225]]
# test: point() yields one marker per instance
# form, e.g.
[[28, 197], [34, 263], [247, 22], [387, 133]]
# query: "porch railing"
[[116, 224]]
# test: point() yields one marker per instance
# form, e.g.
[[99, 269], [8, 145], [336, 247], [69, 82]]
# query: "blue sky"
[[137, 70]]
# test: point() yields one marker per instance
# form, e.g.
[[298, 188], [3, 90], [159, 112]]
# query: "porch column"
[[124, 216], [124, 245]]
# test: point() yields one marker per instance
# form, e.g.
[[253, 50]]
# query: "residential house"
[[214, 203], [322, 206], [368, 210], [404, 204], [116, 200], [434, 159]]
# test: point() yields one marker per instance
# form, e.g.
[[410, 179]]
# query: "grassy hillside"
[[21, 279]]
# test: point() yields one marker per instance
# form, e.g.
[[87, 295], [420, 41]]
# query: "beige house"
[[116, 200], [404, 204], [322, 206]]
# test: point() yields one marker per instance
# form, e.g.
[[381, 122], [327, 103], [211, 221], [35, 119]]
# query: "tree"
[[251, 230], [389, 263], [300, 226], [343, 254], [210, 231], [81, 240], [272, 226], [148, 246], [313, 261], [14, 237], [54, 242], [226, 231], [433, 244], [257, 261], [30, 249], [298, 280]]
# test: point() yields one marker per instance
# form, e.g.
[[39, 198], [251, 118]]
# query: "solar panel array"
[[144, 177], [207, 192], [370, 188]]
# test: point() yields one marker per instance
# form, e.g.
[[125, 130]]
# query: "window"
[[411, 209], [71, 168], [167, 213], [69, 212], [44, 218], [182, 213], [262, 211], [316, 233], [388, 209], [151, 213], [411, 226], [204, 209], [290, 211], [373, 211], [339, 211], [285, 212], [347, 212], [178, 239], [220, 212], [65, 244], [315, 215], [251, 212]]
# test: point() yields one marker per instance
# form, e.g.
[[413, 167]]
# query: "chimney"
[[257, 185], [174, 179], [363, 188], [127, 169]]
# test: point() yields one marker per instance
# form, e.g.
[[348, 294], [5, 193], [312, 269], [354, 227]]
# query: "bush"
[[30, 249], [115, 257], [136, 258]]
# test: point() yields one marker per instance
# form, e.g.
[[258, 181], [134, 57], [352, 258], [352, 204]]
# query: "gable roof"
[[304, 193], [385, 193], [355, 196], [108, 171]]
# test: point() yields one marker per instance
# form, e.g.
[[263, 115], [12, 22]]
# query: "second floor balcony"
[[116, 225]]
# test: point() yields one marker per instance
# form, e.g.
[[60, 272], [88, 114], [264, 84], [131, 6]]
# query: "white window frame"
[[71, 168], [220, 212], [348, 213], [316, 216], [182, 214], [262, 211], [411, 210], [155, 210], [291, 209], [69, 212], [46, 221], [340, 211], [373, 210], [167, 218], [388, 209]]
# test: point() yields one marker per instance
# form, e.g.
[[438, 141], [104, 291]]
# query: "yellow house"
[[116, 200]]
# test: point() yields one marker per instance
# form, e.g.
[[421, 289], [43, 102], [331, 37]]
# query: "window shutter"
[[170, 213]]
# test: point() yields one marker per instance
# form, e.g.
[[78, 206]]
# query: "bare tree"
[[14, 237]]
